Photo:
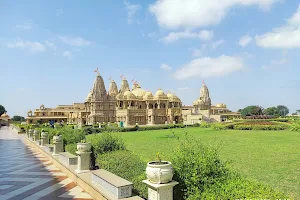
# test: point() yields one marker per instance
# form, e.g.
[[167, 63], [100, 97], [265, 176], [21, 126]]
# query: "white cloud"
[[26, 26], [196, 52], [166, 67], [286, 36], [245, 40], [198, 13], [59, 12], [216, 44], [50, 45], [34, 47], [209, 67], [202, 35], [295, 19], [131, 11], [75, 41], [67, 54]]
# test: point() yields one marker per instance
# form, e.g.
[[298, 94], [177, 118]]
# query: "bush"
[[105, 142], [204, 124], [126, 165], [71, 148], [203, 175], [196, 167]]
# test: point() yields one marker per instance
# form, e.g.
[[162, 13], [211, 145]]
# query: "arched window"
[[156, 105], [163, 105], [150, 106]]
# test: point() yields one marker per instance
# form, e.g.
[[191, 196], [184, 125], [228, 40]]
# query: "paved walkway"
[[27, 174]]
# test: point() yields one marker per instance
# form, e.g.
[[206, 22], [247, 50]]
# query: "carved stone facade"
[[132, 106]]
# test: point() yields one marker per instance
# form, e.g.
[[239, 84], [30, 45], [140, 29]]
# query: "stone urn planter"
[[159, 172], [57, 138], [84, 147], [44, 134]]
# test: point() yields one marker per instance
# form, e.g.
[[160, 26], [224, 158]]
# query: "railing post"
[[84, 157], [57, 145]]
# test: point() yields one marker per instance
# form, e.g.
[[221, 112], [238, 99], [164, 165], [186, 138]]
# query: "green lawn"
[[272, 157]]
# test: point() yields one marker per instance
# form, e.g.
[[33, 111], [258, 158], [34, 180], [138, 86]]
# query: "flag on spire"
[[122, 76], [203, 82], [96, 70], [110, 78]]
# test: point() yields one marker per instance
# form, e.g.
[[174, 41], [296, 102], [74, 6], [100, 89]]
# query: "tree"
[[282, 110], [271, 111], [2, 110], [251, 110], [18, 118]]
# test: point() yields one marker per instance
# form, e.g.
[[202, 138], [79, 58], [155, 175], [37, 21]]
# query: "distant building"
[[133, 106]]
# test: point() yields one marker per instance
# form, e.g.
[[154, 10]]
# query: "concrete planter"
[[159, 172], [84, 147]]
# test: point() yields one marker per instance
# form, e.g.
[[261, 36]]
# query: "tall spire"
[[113, 88], [98, 91], [204, 94], [124, 85]]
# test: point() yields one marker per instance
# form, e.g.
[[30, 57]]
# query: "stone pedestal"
[[30, 134], [57, 148], [83, 162], [36, 135], [44, 139], [160, 191]]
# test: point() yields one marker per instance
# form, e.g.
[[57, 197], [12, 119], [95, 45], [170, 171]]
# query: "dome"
[[129, 95], [173, 98], [148, 96], [160, 95], [4, 115], [30, 111], [219, 105], [119, 96], [139, 92]]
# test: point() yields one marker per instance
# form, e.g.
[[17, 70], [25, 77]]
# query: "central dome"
[[160, 95], [129, 95], [139, 92]]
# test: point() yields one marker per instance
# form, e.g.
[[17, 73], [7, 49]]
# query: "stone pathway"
[[27, 174]]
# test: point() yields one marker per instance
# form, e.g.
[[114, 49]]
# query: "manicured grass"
[[271, 157]]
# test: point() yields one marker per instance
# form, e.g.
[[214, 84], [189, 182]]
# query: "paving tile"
[[27, 174]]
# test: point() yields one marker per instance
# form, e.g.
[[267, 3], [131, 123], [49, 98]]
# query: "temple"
[[132, 106]]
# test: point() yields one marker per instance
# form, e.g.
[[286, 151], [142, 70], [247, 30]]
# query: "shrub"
[[218, 126], [71, 148], [196, 167], [295, 127], [204, 124], [203, 175], [126, 165], [105, 142], [72, 136]]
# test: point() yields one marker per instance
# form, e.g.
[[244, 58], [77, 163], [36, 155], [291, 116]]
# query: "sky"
[[246, 51]]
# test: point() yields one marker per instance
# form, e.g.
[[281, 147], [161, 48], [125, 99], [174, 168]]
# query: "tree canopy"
[[2, 110], [251, 110], [280, 110], [18, 118]]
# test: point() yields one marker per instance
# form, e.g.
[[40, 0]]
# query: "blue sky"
[[246, 51]]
